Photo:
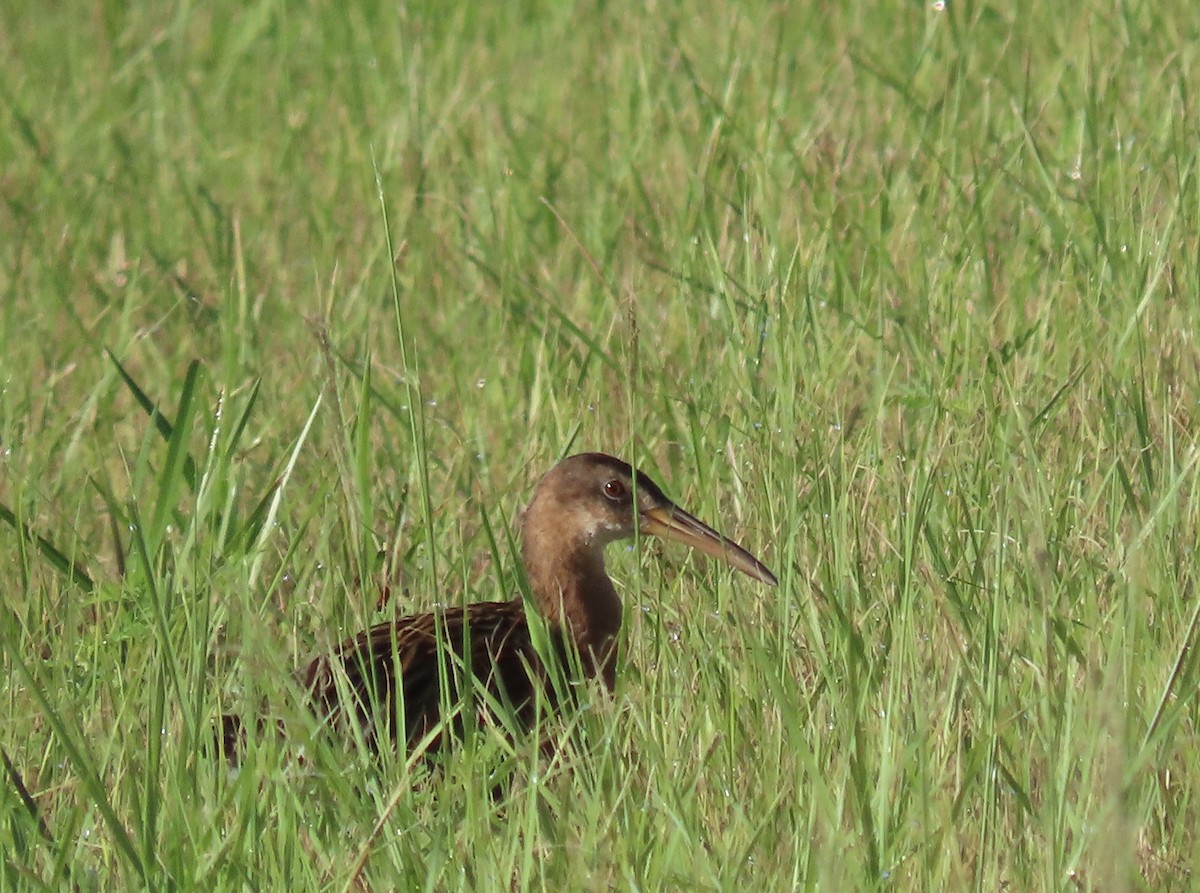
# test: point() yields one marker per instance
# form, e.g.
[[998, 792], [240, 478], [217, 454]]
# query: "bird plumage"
[[399, 676]]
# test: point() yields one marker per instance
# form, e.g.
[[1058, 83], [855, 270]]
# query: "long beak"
[[673, 523]]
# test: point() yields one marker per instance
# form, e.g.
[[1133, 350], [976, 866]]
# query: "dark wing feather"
[[400, 675]]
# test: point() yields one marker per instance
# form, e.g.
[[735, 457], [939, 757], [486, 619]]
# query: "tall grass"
[[298, 302]]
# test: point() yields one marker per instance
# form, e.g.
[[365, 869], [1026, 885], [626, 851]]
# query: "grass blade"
[[69, 740], [178, 461], [161, 422], [72, 570]]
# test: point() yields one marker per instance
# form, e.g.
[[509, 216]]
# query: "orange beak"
[[672, 523]]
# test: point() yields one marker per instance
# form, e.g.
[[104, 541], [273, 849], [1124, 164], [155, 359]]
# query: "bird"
[[393, 681]]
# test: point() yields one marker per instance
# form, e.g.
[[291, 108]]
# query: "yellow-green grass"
[[905, 299]]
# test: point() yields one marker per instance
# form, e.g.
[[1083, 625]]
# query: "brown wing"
[[406, 671]]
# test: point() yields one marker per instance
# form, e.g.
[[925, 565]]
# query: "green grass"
[[904, 300]]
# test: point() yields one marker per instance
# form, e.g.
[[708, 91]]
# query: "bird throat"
[[574, 594]]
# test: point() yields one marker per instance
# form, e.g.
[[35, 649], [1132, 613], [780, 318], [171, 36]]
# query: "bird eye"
[[614, 489]]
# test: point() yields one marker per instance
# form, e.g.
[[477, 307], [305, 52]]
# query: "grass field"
[[298, 300]]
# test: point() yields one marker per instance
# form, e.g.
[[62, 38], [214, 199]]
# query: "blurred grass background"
[[903, 298]]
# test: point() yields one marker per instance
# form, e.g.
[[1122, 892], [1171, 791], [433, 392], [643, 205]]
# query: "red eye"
[[614, 489]]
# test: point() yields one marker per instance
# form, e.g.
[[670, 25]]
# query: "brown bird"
[[398, 676]]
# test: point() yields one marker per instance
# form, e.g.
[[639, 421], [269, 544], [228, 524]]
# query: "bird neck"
[[574, 593]]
